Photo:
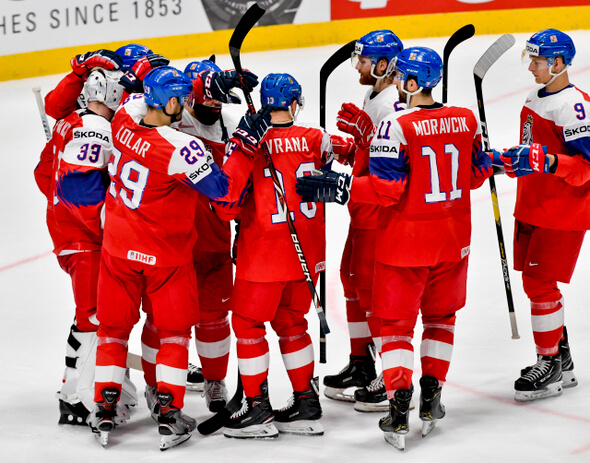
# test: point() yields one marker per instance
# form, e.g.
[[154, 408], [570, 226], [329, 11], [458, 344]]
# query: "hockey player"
[[156, 173], [423, 163], [373, 53], [130, 53], [72, 175], [269, 284], [552, 205]]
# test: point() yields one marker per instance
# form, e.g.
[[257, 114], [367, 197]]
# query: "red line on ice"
[[25, 261]]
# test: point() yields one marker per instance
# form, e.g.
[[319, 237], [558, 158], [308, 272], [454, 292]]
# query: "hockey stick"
[[339, 57], [497, 49], [46, 128], [458, 37], [217, 421], [252, 15]]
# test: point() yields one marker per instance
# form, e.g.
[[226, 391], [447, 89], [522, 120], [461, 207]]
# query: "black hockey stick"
[[458, 37], [339, 56], [497, 49], [217, 421], [251, 17]]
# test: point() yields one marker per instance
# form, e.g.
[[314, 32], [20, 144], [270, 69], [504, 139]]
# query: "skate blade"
[[256, 431], [167, 442], [427, 427], [301, 428], [552, 390], [397, 440], [195, 387], [338, 394], [569, 379], [367, 407], [103, 438]]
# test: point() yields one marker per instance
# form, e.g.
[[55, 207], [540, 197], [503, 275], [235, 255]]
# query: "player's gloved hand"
[[525, 159], [106, 59], [218, 85], [344, 149], [497, 163], [252, 129], [324, 187], [357, 123], [132, 80]]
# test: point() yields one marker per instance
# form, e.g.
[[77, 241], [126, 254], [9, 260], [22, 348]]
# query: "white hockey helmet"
[[103, 86]]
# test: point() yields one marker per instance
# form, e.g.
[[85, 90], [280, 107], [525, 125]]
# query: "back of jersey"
[[265, 247]]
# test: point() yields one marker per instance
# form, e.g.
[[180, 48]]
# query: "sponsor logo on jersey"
[[91, 134], [575, 132], [439, 126], [320, 266], [527, 131], [196, 175], [384, 151], [141, 257]]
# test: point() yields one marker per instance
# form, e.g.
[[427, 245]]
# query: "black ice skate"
[[431, 410], [567, 364], [174, 426], [359, 372], [215, 394], [152, 401], [302, 414], [395, 425], [543, 380], [102, 419], [194, 378], [254, 420], [372, 398]]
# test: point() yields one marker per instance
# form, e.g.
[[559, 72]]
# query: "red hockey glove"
[[106, 59], [357, 123], [132, 80], [344, 149]]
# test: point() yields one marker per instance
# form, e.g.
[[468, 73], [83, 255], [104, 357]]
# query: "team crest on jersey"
[[527, 131]]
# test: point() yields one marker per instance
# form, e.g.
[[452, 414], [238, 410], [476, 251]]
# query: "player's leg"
[[303, 412], [254, 304]]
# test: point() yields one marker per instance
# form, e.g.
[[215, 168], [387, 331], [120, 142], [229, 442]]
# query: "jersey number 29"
[[133, 177]]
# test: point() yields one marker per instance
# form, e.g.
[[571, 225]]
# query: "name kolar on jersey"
[[293, 144], [442, 125]]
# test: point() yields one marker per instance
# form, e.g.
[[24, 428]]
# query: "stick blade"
[[246, 23], [492, 54], [459, 36]]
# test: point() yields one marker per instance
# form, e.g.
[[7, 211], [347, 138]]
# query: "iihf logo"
[[527, 131]]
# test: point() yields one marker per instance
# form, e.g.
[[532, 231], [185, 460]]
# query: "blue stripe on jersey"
[[78, 189], [581, 146], [215, 185], [480, 160], [389, 168]]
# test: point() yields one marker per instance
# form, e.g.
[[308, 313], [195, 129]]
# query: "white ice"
[[483, 422]]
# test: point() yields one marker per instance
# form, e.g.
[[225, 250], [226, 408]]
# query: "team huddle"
[[145, 171]]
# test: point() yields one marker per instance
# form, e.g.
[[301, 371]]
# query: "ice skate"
[[359, 372], [302, 414], [395, 425], [174, 426], [152, 401], [75, 414], [215, 394], [372, 398], [102, 419], [543, 380], [194, 379], [254, 420], [431, 409]]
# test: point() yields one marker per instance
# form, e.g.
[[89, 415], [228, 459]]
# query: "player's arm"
[[44, 170], [481, 163]]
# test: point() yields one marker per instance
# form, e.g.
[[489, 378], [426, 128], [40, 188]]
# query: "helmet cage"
[[103, 86]]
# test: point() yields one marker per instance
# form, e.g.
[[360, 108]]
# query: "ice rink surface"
[[483, 422]]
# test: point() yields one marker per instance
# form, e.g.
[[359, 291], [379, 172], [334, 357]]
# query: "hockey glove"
[[218, 85], [525, 159], [357, 123], [252, 129], [324, 187], [106, 59], [344, 149], [132, 80]]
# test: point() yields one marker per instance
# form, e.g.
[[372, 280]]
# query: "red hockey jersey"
[[424, 162], [72, 175], [156, 173], [560, 121], [265, 248]]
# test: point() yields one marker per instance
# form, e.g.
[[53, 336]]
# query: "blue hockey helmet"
[[130, 53], [163, 83], [193, 68], [551, 43], [377, 45], [279, 90], [421, 62]]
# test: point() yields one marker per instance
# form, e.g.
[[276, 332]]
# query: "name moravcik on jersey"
[[72, 175], [156, 173], [560, 121], [265, 248], [214, 234], [377, 106], [424, 162]]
